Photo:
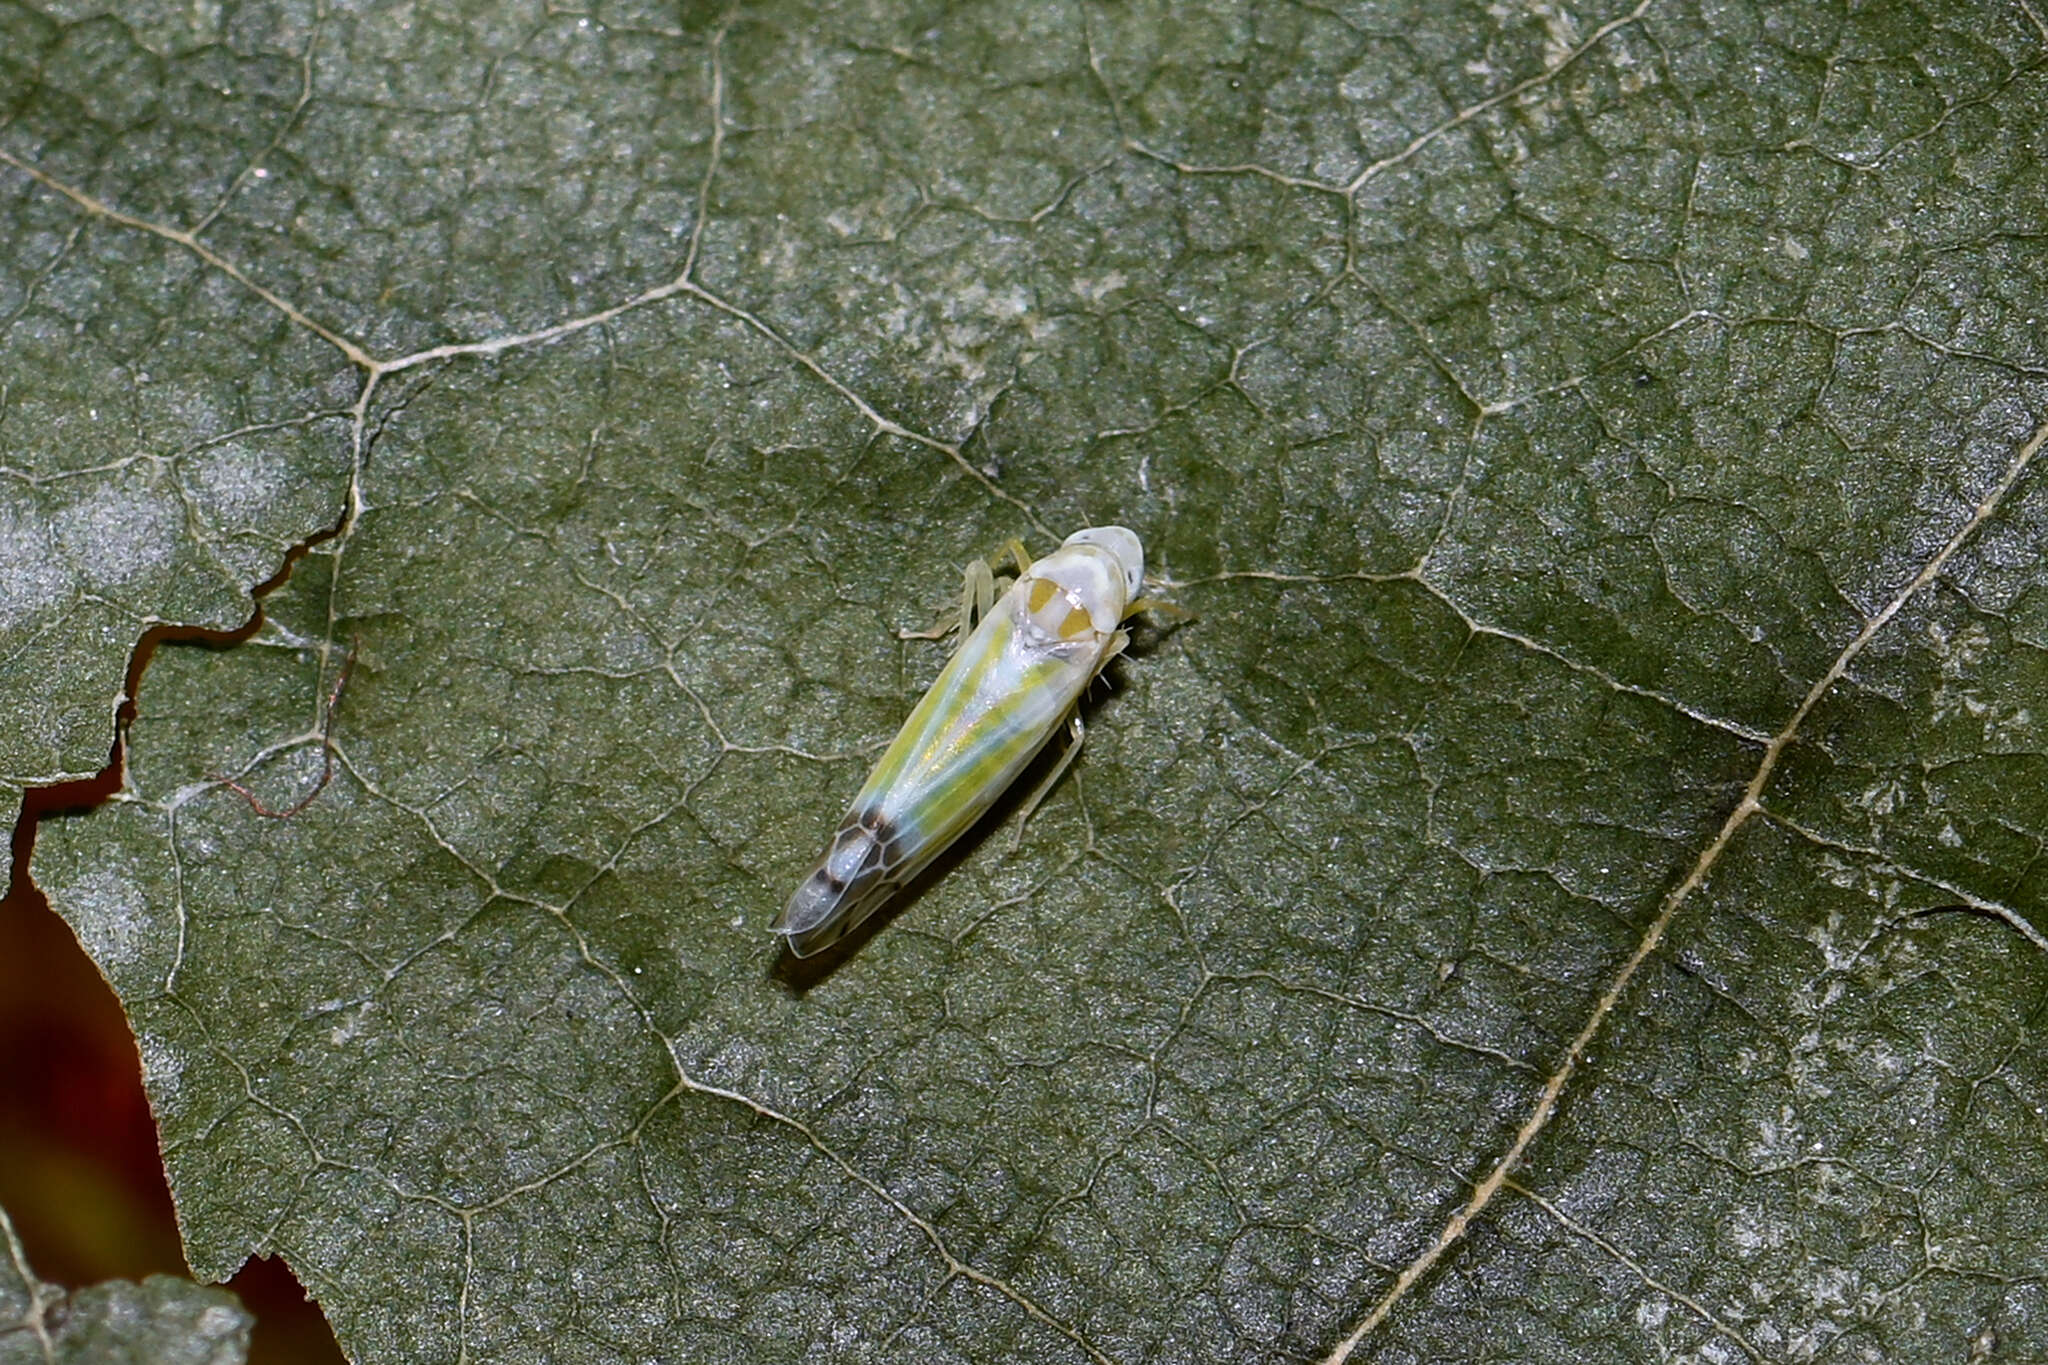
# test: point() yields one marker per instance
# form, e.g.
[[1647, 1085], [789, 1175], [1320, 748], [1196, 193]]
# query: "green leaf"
[[162, 1321], [1573, 890]]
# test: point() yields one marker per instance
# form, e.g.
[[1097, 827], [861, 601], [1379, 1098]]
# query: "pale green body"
[[1002, 695]]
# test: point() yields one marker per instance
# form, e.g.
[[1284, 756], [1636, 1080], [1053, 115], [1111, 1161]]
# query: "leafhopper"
[[1011, 683]]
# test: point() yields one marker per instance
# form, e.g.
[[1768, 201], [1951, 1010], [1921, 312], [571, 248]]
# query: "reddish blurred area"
[[79, 1170]]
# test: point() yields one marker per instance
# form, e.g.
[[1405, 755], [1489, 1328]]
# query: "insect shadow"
[[1149, 635], [799, 975]]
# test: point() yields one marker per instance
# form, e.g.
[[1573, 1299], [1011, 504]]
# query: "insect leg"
[[977, 595], [1079, 733], [1171, 610]]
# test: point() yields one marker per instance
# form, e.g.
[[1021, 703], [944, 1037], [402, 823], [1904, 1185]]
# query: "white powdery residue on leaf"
[[32, 578], [1751, 1233], [109, 913], [162, 1068], [861, 220], [973, 318], [115, 535], [1881, 1063], [1095, 291], [1959, 651], [351, 1023], [1775, 1138], [1885, 797], [1832, 1287], [1007, 305], [235, 482], [1560, 30]]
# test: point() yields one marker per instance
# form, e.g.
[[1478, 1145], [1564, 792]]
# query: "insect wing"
[[993, 707], [851, 881]]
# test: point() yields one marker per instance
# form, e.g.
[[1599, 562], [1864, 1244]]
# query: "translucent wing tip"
[[844, 889], [812, 902], [818, 917]]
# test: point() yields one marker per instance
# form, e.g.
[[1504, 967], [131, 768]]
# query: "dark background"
[[79, 1170]]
